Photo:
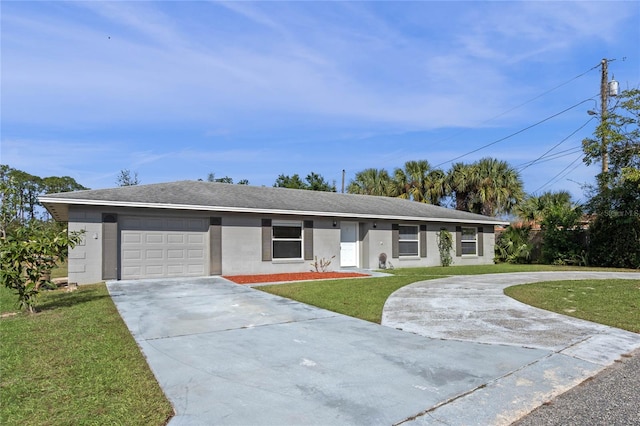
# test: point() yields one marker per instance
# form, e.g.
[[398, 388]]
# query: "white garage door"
[[163, 247]]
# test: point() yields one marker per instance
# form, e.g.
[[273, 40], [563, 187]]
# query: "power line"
[[516, 133], [523, 104], [561, 154], [531, 163], [553, 179]]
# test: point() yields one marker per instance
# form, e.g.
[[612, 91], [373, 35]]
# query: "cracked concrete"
[[229, 354]]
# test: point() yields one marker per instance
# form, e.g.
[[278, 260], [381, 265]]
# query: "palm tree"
[[372, 182], [401, 184], [532, 209], [411, 182], [437, 187], [461, 180], [488, 186], [499, 187]]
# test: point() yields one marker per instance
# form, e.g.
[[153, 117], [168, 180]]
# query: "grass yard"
[[365, 298], [74, 362], [358, 297], [610, 302]]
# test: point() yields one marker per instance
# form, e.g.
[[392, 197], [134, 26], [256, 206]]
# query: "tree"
[[293, 182], [563, 238], [488, 186], [462, 182], [532, 209], [125, 178], [211, 177], [437, 187], [615, 201], [27, 255], [313, 182], [372, 182], [411, 182], [19, 192], [316, 182], [499, 187], [29, 245]]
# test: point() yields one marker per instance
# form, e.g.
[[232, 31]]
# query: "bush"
[[27, 256], [514, 245], [563, 241], [615, 241]]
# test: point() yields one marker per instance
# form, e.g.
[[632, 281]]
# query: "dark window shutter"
[[458, 240], [480, 241], [266, 239], [215, 246], [308, 239], [395, 240], [423, 240], [109, 246]]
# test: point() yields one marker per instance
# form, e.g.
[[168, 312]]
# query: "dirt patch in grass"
[[292, 276]]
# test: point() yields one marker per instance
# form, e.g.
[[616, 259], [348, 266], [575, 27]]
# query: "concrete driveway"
[[475, 309], [229, 354]]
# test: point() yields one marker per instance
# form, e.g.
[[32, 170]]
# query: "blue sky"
[[251, 90]]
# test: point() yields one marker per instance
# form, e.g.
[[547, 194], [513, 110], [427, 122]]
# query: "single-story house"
[[195, 228]]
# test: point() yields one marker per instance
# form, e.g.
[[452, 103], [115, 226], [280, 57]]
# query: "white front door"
[[348, 244]]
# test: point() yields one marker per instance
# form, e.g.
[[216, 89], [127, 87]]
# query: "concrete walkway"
[[475, 309], [229, 354]]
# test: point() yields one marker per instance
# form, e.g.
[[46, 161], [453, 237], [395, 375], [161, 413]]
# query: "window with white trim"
[[408, 240], [469, 241], [286, 239]]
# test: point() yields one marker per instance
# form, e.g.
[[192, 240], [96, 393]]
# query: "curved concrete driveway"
[[229, 354], [475, 309]]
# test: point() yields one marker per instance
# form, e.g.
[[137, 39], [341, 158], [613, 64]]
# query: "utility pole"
[[604, 99]]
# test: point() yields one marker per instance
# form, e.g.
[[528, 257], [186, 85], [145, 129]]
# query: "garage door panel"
[[195, 238], [131, 254], [175, 238], [154, 271], [131, 238], [195, 269], [132, 271], [154, 238], [176, 269], [154, 254], [161, 247], [195, 254]]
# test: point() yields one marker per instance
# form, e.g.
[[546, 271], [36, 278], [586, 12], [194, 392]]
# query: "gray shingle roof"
[[210, 196]]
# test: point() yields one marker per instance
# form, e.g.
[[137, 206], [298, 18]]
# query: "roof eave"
[[49, 202]]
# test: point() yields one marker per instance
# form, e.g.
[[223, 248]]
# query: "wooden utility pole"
[[604, 99]]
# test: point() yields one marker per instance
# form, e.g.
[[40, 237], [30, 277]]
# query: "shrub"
[[514, 245]]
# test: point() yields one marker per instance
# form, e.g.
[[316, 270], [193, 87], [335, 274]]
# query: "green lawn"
[[610, 302], [358, 297], [74, 362], [365, 298]]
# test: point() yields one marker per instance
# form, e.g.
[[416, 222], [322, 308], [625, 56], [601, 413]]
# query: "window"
[[287, 239], [469, 244], [408, 240]]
